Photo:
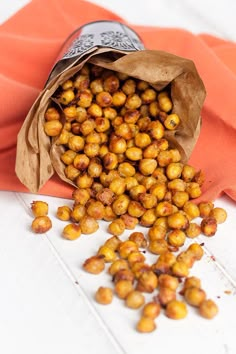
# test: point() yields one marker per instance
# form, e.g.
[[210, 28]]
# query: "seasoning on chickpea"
[[39, 208], [71, 231], [41, 224]]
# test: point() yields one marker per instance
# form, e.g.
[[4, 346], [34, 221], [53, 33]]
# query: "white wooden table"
[[46, 299]]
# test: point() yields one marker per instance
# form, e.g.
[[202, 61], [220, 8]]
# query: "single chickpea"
[[112, 242], [94, 264], [149, 95], [109, 113], [159, 190], [126, 247], [209, 226], [130, 221], [95, 167], [135, 256], [147, 282], [219, 214], [110, 161], [196, 250], [71, 231], [162, 221], [199, 178], [147, 166], [138, 268], [131, 116], [81, 114], [174, 170], [81, 81], [117, 186], [81, 196], [180, 198], [151, 310], [84, 180], [176, 238], [129, 87], [178, 221], [116, 227], [39, 208], [135, 209], [191, 209], [63, 213], [194, 296], [88, 225], [172, 121], [177, 185], [136, 191], [133, 101], [41, 224], [176, 310], [67, 84], [70, 113], [123, 288], [77, 213], [134, 153], [96, 210], [134, 299], [146, 325], [118, 265], [191, 282], [168, 281], [102, 124], [193, 189], [187, 258], [143, 123], [154, 109], [109, 214], [156, 129], [96, 86], [180, 269], [193, 230], [123, 274], [148, 218], [71, 172], [108, 254], [95, 110], [84, 98], [208, 309], [53, 127], [117, 145], [118, 99], [104, 295], [68, 157], [158, 246], [164, 101], [165, 295], [164, 158], [111, 83], [148, 182], [138, 238], [67, 96], [87, 127], [76, 143], [142, 140], [120, 204], [188, 172], [165, 209], [205, 208], [156, 232], [81, 162], [52, 114]]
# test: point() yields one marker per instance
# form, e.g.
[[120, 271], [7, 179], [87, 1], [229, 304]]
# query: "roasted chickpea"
[[84, 98], [156, 129], [109, 214], [194, 296], [120, 205], [129, 87], [148, 218], [116, 227], [178, 221], [146, 325], [67, 96], [166, 295], [53, 127], [134, 153], [180, 198], [88, 225], [117, 186], [168, 281], [71, 231], [84, 180], [143, 123], [131, 116], [193, 230], [209, 226], [81, 81], [117, 265], [136, 191], [219, 214], [81, 162], [156, 232], [158, 246], [135, 209], [134, 299], [126, 247], [180, 269], [110, 161], [123, 274], [41, 224], [147, 282], [188, 172], [176, 310], [191, 209], [172, 121], [130, 221], [177, 185], [87, 127], [187, 258], [63, 137], [208, 309], [165, 209], [52, 114], [95, 110], [104, 99], [111, 83], [123, 288], [164, 101], [104, 295], [205, 208], [158, 190], [94, 264], [70, 113], [39, 208], [68, 157], [138, 238], [147, 166], [96, 210], [96, 86], [109, 113], [118, 99], [151, 310], [176, 238], [81, 196], [174, 170], [77, 213], [193, 189], [76, 143], [108, 254], [117, 145], [196, 250], [142, 140], [63, 213]]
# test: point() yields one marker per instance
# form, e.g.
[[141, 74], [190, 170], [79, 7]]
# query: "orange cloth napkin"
[[30, 42]]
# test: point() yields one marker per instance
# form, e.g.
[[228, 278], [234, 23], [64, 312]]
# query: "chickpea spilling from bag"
[[112, 128]]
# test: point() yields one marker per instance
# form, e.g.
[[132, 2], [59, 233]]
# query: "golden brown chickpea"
[[52, 114], [187, 258], [172, 121], [165, 209], [94, 264], [139, 268], [151, 310], [109, 113], [129, 87], [81, 196], [176, 238], [118, 99], [209, 226], [143, 123], [104, 99], [193, 189], [180, 269], [165, 295], [87, 127], [168, 281], [147, 200], [103, 150], [135, 209], [63, 137], [188, 172], [63, 213], [219, 214], [191, 209], [81, 162], [162, 221], [88, 225], [174, 170], [123, 288], [158, 246], [116, 122], [112, 242], [146, 325], [148, 218], [148, 182], [120, 204], [208, 309], [199, 178], [136, 191], [106, 196], [126, 247], [164, 158], [134, 299], [176, 310], [176, 185], [117, 145], [84, 180], [118, 265], [70, 113], [158, 190], [108, 254], [95, 110], [135, 257], [164, 101], [68, 157], [67, 96], [133, 101], [84, 98], [194, 296], [102, 124], [148, 96], [130, 221], [205, 208], [156, 129], [151, 151], [81, 114], [41, 224], [147, 166], [104, 295], [96, 210], [131, 116], [116, 227], [71, 231], [142, 140], [39, 208], [196, 250], [76, 143], [178, 221], [138, 238], [77, 213], [179, 198], [111, 83], [110, 161], [81, 81], [156, 232], [95, 167], [117, 186], [163, 145], [134, 153], [124, 274], [53, 127], [193, 230], [107, 178], [191, 282], [96, 86], [67, 84], [91, 149], [109, 215], [147, 282]]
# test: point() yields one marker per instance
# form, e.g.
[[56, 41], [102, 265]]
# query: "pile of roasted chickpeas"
[[112, 128]]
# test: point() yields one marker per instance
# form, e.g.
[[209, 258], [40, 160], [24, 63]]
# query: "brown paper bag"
[[38, 157]]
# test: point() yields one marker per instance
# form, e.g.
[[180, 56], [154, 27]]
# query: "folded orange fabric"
[[30, 42]]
